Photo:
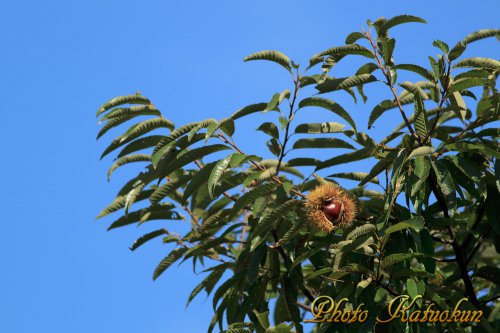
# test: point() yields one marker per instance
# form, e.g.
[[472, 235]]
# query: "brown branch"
[[285, 140], [461, 261], [387, 75]]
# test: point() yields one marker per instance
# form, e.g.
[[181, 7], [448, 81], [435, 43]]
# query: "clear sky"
[[60, 270]]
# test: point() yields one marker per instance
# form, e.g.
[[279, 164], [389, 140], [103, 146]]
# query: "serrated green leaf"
[[353, 37], [441, 45], [270, 129], [355, 176], [421, 151], [329, 105], [166, 189], [414, 89], [354, 49], [333, 84], [465, 83], [457, 50], [227, 126], [416, 223], [416, 69], [357, 155], [321, 143], [145, 127], [480, 34], [129, 99], [147, 237], [316, 128], [477, 62], [420, 116], [175, 255], [395, 258], [361, 230], [253, 108], [216, 174], [159, 212], [401, 19], [271, 55], [128, 159]]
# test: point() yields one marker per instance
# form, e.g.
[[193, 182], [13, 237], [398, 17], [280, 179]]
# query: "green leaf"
[[485, 33], [321, 143], [400, 19], [136, 131], [422, 168], [316, 128], [115, 121], [140, 144], [253, 108], [457, 50], [416, 223], [250, 196], [129, 99], [270, 129], [362, 230], [211, 128], [465, 83], [485, 63], [192, 156], [145, 127], [353, 37], [333, 84], [258, 233], [357, 155], [198, 180], [414, 89], [147, 237], [420, 118], [442, 46], [471, 147], [416, 69], [375, 171], [445, 183], [319, 272], [386, 105], [329, 105], [395, 258], [227, 126], [159, 212], [263, 318], [355, 176], [421, 151], [166, 189], [303, 161], [133, 111], [411, 288], [348, 49], [271, 55], [386, 46], [128, 159], [274, 102], [216, 174], [175, 255], [208, 283], [458, 105], [119, 203]]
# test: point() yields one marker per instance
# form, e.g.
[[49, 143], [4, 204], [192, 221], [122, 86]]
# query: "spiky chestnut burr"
[[329, 207]]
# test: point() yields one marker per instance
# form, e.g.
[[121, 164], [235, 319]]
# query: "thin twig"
[[387, 75]]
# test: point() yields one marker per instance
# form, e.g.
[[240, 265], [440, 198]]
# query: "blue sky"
[[61, 271]]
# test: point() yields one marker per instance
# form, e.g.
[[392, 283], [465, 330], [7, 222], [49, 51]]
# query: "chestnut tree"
[[422, 221]]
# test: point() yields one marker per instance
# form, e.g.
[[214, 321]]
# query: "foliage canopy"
[[427, 211]]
